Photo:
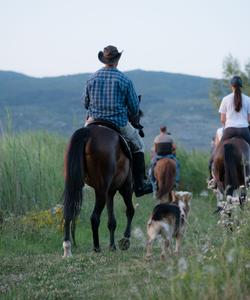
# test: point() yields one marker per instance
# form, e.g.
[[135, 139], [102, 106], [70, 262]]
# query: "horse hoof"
[[124, 244], [67, 249], [112, 248], [97, 249]]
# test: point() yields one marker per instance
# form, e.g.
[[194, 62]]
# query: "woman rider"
[[235, 116], [235, 112]]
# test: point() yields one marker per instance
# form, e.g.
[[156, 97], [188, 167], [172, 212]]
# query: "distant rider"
[[164, 147], [110, 95]]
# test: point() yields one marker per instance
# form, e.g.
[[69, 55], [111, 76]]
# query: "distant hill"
[[54, 103]]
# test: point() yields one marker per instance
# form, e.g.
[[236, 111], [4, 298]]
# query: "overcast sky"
[[59, 37]]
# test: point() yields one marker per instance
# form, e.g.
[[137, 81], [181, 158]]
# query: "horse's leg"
[[126, 192], [100, 201], [111, 220], [219, 198], [67, 243]]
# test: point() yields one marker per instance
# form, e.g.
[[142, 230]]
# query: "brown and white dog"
[[168, 220]]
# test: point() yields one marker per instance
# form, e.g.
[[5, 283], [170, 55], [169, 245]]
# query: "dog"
[[168, 220]]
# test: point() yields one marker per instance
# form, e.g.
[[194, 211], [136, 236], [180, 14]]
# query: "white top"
[[163, 138], [234, 118]]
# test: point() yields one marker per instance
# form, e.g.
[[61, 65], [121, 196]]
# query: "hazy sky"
[[56, 37]]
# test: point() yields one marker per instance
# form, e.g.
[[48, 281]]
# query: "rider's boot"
[[141, 187]]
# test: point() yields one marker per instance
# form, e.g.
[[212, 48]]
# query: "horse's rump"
[[94, 156], [165, 172], [231, 161], [106, 163]]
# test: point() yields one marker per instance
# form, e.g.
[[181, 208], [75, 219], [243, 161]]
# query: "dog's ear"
[[175, 199], [173, 196], [187, 196], [190, 196], [187, 199], [177, 196]]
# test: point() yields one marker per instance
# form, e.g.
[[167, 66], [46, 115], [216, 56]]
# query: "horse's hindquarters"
[[165, 172], [231, 165]]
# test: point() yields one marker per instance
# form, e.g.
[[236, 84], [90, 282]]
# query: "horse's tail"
[[74, 175], [231, 177], [166, 178]]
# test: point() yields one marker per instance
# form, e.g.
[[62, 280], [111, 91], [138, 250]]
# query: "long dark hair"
[[236, 82]]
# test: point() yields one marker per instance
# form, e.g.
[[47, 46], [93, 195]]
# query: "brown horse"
[[95, 157], [165, 172], [231, 166]]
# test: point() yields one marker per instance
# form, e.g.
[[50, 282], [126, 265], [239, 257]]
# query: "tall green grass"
[[31, 171], [193, 171]]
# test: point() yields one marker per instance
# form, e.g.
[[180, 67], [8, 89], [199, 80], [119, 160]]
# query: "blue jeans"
[[153, 164]]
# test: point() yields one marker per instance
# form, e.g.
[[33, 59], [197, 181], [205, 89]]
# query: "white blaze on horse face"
[[67, 249]]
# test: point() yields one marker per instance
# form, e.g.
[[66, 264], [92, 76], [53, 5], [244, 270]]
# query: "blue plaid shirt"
[[110, 95]]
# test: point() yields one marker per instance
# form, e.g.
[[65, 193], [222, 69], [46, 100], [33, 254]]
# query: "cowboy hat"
[[109, 55]]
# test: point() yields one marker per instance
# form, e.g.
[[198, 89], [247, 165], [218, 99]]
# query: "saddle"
[[125, 144]]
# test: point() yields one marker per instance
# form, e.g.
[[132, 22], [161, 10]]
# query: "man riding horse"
[[164, 147], [110, 96]]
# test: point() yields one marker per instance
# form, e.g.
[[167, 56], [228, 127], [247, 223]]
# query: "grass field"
[[214, 263]]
